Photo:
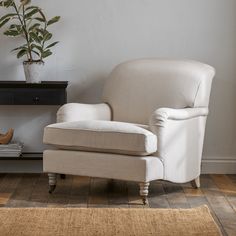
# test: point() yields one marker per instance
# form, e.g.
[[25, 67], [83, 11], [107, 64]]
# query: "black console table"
[[22, 93]]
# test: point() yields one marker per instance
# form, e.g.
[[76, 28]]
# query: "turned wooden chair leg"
[[144, 191], [52, 177], [196, 182]]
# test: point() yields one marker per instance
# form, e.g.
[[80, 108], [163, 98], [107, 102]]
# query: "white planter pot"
[[33, 71]]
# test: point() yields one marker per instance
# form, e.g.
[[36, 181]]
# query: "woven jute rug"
[[91, 221]]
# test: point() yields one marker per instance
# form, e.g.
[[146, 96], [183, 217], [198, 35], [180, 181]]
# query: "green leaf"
[[7, 3], [54, 20], [35, 37], [31, 7], [38, 47], [34, 26], [21, 53], [31, 13], [52, 44], [47, 37], [11, 33], [41, 31], [46, 53], [39, 19], [42, 15], [4, 22], [8, 16], [36, 52], [16, 27], [18, 48]]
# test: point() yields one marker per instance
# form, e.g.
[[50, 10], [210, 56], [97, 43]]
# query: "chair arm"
[[78, 111], [161, 115], [180, 137]]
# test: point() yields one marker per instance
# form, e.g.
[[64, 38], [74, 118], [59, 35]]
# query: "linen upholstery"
[[166, 98], [180, 134], [137, 88], [103, 165], [101, 136], [161, 115], [77, 111]]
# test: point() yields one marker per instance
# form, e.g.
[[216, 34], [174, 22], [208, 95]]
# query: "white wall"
[[95, 35]]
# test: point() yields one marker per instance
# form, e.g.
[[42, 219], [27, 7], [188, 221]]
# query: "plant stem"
[[28, 43], [45, 27], [30, 58]]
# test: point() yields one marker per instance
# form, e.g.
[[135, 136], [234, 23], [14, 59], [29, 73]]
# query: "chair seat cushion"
[[101, 136]]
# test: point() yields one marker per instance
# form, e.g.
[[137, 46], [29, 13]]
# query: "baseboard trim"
[[21, 166], [209, 166], [218, 166]]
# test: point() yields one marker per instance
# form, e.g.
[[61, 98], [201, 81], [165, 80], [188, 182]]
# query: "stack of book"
[[11, 150]]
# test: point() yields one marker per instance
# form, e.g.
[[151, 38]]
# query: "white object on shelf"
[[11, 150]]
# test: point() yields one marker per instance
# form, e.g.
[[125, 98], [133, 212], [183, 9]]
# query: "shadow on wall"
[[81, 92]]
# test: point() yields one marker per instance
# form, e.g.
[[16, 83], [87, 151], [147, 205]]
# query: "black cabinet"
[[22, 93]]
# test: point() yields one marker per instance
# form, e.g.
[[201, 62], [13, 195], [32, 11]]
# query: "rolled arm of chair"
[[78, 111], [161, 115], [180, 136]]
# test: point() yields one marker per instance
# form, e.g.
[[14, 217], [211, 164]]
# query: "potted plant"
[[31, 23]]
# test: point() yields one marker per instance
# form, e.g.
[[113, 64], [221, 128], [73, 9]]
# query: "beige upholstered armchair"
[[150, 126]]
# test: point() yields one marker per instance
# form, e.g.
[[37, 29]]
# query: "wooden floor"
[[31, 190]]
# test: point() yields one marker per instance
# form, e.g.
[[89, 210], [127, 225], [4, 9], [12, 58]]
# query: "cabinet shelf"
[[25, 157]]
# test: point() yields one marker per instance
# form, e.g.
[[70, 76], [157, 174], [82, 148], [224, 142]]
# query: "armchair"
[[150, 126]]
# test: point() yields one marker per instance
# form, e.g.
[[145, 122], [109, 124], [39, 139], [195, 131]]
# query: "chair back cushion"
[[137, 88]]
